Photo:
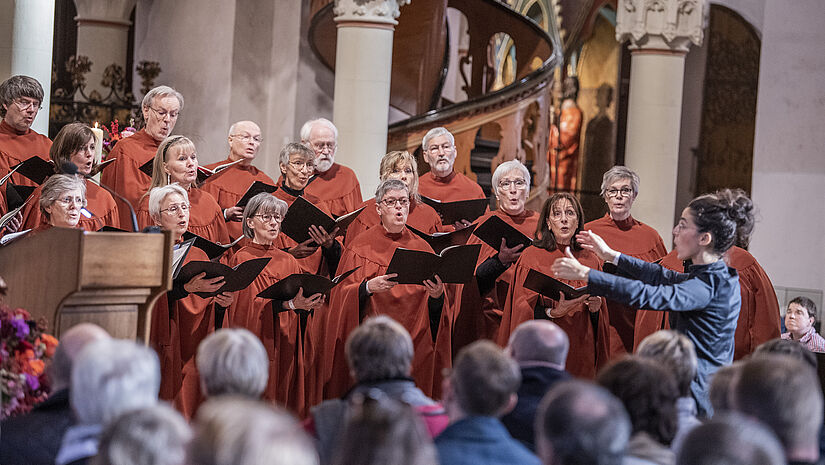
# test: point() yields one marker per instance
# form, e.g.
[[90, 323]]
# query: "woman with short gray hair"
[[156, 435], [62, 200], [233, 361]]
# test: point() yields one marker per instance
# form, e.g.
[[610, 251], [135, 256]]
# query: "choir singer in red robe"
[[335, 185], [622, 232], [20, 100], [62, 198]]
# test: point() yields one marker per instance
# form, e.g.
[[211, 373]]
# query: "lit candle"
[[98, 145]]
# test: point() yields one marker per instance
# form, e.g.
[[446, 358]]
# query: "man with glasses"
[[622, 232], [336, 186], [20, 99], [161, 107], [230, 185]]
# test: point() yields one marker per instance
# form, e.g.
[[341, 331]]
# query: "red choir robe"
[[314, 263], [230, 185], [453, 188], [15, 148], [125, 176], [479, 316], [337, 189], [280, 333], [588, 344], [98, 202], [422, 217], [628, 325], [177, 329], [405, 303], [759, 317], [205, 216]]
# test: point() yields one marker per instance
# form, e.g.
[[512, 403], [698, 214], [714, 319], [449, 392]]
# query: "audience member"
[[579, 423], [481, 388], [730, 439], [540, 348], [156, 435], [799, 321], [720, 387], [648, 392], [237, 431], [788, 347], [34, 438], [110, 377], [232, 361]]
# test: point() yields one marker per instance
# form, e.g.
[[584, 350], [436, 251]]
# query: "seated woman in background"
[[799, 321]]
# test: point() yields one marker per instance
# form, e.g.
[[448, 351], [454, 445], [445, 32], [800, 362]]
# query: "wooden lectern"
[[69, 276]]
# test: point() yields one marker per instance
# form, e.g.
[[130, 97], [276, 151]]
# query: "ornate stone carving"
[[661, 24], [373, 11]]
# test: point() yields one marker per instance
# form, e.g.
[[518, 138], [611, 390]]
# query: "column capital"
[[663, 25], [368, 11], [114, 13]]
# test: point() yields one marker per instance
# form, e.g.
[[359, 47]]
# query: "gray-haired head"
[[508, 166], [390, 185], [161, 92], [156, 435], [618, 173], [16, 87], [261, 204], [295, 148], [233, 361], [56, 187], [675, 352], [435, 132], [306, 129], [159, 194], [380, 348]]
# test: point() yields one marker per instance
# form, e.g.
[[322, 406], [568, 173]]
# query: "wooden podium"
[[69, 276]]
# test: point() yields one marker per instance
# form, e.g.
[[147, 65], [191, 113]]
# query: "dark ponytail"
[[727, 215]]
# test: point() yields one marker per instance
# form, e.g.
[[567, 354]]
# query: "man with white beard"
[[335, 185]]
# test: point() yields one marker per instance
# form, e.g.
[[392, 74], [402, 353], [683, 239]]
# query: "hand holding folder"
[[495, 229], [455, 264], [311, 284], [254, 189], [211, 249], [302, 214], [234, 279]]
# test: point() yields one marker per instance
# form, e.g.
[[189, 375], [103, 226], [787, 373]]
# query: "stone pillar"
[[103, 36], [660, 33], [363, 65], [30, 50]]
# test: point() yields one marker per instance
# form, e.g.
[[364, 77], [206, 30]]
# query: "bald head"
[[71, 343], [244, 141], [539, 341]]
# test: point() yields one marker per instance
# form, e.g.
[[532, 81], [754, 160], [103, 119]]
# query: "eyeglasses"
[[321, 146], [301, 165], [625, 191], [174, 209], [436, 148], [24, 105], [162, 114], [247, 138], [404, 171], [518, 183], [69, 200], [266, 217], [389, 203]]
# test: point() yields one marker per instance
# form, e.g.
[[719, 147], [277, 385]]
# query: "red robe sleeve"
[[759, 316], [15, 148]]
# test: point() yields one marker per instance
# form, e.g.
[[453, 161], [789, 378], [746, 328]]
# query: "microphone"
[[71, 168]]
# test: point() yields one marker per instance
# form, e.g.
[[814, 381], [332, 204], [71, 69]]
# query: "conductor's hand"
[[201, 283], [435, 288], [508, 255], [224, 299], [564, 307], [306, 303], [320, 236], [233, 214], [592, 242], [14, 223], [381, 283], [461, 224], [303, 249], [568, 267]]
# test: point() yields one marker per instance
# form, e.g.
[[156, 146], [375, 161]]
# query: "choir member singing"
[[20, 100], [333, 184], [622, 232], [61, 199], [559, 221]]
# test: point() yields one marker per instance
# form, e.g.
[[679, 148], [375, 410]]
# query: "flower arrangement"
[[25, 347], [114, 134]]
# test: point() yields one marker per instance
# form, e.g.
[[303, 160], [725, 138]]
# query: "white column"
[[660, 33], [363, 65], [31, 49], [102, 35]]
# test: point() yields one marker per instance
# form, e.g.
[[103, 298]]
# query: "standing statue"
[[563, 155]]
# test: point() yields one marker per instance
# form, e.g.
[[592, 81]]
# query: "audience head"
[[244, 140], [71, 344], [297, 163], [156, 435], [379, 431], [511, 185], [161, 107], [401, 165], [620, 186], [237, 431], [675, 353], [176, 161], [379, 349], [169, 208], [787, 347], [322, 136], [539, 341], [113, 376], [579, 423], [392, 202], [438, 147], [784, 394], [262, 218], [800, 316], [62, 197], [649, 395], [75, 143], [720, 387], [483, 382], [721, 219], [233, 361], [20, 100], [730, 439], [560, 219]]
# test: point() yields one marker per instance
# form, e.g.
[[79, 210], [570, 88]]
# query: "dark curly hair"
[[727, 214]]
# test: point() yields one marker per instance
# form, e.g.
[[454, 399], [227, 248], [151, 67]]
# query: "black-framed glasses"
[[625, 191], [403, 201]]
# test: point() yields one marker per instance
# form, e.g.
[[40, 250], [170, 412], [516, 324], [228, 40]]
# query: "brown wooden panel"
[[145, 252]]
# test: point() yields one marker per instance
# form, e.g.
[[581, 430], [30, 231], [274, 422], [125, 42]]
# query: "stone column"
[[660, 32], [363, 65], [103, 36], [29, 50]]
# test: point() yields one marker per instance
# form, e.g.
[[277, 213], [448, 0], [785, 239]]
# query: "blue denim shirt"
[[703, 304]]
